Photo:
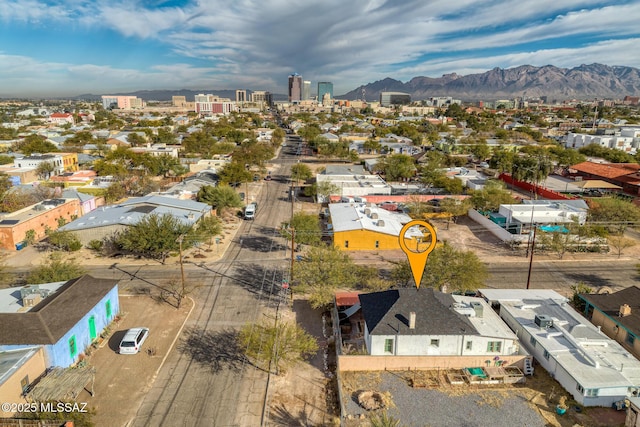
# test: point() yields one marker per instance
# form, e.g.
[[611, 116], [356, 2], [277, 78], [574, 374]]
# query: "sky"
[[54, 48]]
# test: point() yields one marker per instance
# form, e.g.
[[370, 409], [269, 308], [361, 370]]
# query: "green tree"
[[235, 172], [208, 227], [455, 208], [578, 289], [220, 198], [614, 213], [277, 136], [491, 196], [56, 268], [77, 141], [30, 237], [322, 272], [480, 151], [155, 236], [277, 347], [35, 144], [396, 167], [64, 240], [306, 226], [114, 192], [454, 270], [136, 140], [301, 172], [45, 169]]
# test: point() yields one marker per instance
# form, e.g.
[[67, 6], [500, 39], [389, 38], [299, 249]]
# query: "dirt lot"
[[532, 403], [122, 380]]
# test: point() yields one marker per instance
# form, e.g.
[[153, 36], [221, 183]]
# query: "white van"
[[250, 211], [132, 341]]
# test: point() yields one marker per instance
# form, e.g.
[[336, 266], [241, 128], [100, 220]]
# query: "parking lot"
[[122, 380]]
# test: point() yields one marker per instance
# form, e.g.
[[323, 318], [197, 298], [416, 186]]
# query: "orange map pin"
[[418, 258]]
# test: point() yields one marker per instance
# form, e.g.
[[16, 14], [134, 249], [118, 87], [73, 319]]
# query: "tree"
[[155, 236], [491, 196], [35, 144], [577, 289], [301, 172], [208, 227], [619, 242], [136, 140], [77, 141], [454, 270], [306, 226], [480, 151], [322, 272], [615, 213], [455, 207], [235, 172], [396, 167], [114, 192], [277, 136], [45, 169], [56, 268], [64, 240], [220, 198], [322, 191], [277, 347]]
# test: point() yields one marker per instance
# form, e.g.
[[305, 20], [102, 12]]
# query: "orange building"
[[47, 215], [69, 161]]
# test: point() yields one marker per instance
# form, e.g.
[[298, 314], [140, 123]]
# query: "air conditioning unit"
[[543, 321]]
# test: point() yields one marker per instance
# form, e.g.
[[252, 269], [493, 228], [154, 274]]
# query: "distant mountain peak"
[[586, 81]]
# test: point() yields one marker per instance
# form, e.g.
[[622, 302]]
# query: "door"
[[92, 328]]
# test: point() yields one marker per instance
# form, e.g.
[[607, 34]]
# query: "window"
[[546, 354], [580, 388], [435, 343], [377, 244], [73, 349], [346, 243], [24, 383], [388, 345], [532, 340], [469, 345], [630, 338], [494, 346], [591, 392]]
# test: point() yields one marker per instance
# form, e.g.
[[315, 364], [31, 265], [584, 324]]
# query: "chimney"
[[625, 310], [412, 320]]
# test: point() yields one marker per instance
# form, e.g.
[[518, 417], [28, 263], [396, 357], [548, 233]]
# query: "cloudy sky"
[[57, 48]]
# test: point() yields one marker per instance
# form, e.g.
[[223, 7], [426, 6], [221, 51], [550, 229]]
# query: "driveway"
[[123, 380]]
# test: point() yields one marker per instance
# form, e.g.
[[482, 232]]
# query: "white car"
[[132, 341]]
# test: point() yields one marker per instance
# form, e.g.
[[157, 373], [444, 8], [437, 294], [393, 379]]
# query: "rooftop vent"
[[477, 307], [380, 223], [374, 215], [412, 320]]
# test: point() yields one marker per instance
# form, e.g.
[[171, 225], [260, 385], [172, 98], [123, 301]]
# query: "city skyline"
[[67, 48]]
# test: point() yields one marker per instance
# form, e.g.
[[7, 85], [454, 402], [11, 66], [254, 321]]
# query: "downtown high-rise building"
[[306, 90], [324, 88], [295, 87]]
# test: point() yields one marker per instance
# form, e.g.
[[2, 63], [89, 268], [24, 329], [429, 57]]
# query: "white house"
[[414, 322], [34, 160], [594, 369], [352, 181], [61, 118], [543, 212]]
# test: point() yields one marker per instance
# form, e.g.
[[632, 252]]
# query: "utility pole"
[[179, 240], [533, 245], [293, 242]]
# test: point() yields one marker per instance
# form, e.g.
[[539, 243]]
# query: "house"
[[35, 160], [594, 369], [61, 119], [425, 322], [38, 218], [64, 318], [625, 175], [107, 220], [188, 188], [88, 202], [351, 180], [362, 226], [617, 315], [18, 370]]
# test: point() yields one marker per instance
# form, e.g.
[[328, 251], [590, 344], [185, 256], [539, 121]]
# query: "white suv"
[[132, 341]]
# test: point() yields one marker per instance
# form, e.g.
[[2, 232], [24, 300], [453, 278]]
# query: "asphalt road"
[[205, 382]]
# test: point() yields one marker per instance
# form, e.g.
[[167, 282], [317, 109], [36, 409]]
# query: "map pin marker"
[[418, 258]]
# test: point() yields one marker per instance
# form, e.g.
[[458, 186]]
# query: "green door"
[[92, 328]]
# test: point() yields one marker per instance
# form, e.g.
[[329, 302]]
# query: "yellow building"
[[69, 161], [365, 227]]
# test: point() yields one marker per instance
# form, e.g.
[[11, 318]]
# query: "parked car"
[[132, 341]]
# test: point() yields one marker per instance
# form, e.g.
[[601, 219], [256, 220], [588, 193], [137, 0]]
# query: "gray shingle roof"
[[387, 313], [54, 316], [610, 305]]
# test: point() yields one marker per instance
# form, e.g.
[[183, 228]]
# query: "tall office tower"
[[295, 87], [306, 90], [241, 95], [324, 88]]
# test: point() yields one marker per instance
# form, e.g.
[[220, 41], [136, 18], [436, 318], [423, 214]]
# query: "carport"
[[63, 385]]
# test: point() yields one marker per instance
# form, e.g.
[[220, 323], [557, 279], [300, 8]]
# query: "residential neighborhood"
[[244, 219]]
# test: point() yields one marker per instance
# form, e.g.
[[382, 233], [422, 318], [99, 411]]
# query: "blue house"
[[63, 318]]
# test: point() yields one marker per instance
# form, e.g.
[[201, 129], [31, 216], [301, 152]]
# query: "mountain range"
[[583, 82]]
